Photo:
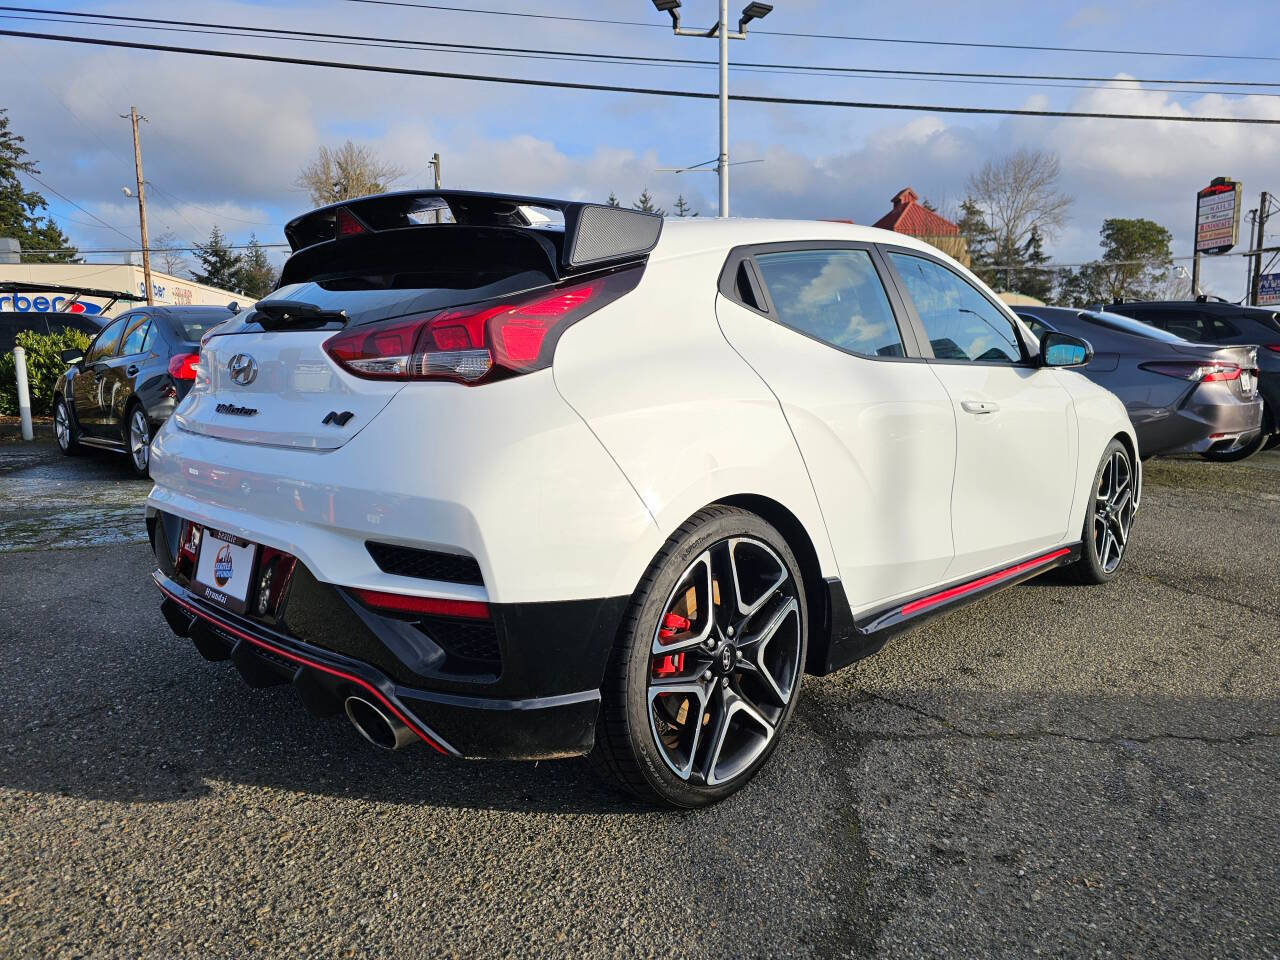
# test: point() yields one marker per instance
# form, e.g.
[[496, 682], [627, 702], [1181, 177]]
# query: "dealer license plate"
[[224, 569]]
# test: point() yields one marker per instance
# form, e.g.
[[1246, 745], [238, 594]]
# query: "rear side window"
[[135, 340], [961, 323], [105, 345], [834, 296]]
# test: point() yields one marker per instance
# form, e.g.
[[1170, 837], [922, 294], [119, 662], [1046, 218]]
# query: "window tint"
[[136, 338], [961, 323], [1038, 328], [834, 296], [105, 345], [193, 328]]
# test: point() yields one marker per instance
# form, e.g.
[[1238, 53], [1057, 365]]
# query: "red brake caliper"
[[672, 663]]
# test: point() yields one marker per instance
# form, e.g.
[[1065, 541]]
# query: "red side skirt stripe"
[[915, 606]]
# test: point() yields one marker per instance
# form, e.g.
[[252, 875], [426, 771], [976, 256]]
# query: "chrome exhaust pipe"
[[377, 726]]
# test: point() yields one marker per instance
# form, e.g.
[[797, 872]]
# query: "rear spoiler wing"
[[584, 234]]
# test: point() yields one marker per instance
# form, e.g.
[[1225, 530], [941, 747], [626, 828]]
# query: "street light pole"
[[720, 32], [723, 30]]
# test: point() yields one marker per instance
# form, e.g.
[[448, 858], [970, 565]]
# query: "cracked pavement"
[[1057, 770]]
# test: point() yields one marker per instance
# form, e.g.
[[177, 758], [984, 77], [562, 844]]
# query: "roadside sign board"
[[1269, 290], [1218, 216]]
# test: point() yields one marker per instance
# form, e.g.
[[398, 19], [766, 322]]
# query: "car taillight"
[[182, 366], [1196, 372], [477, 343], [432, 606], [1274, 347]]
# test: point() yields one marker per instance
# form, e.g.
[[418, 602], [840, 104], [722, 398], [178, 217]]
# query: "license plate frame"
[[224, 569]]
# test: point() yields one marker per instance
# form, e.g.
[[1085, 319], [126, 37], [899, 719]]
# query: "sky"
[[224, 140]]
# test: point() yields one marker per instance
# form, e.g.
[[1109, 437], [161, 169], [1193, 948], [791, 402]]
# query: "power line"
[[361, 40], [836, 36], [212, 213], [76, 205], [611, 88], [166, 249]]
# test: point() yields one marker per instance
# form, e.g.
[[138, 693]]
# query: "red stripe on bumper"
[[279, 651]]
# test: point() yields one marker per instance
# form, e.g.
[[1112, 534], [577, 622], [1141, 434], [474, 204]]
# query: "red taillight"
[[432, 606], [1196, 372], [182, 366], [1273, 347], [475, 343]]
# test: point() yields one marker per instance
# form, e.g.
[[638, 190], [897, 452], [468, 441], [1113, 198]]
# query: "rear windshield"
[[193, 328], [1136, 328]]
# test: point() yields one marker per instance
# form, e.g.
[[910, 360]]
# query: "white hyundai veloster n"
[[525, 478]]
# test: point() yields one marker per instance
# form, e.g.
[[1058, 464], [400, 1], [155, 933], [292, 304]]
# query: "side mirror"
[[1064, 350], [72, 357]]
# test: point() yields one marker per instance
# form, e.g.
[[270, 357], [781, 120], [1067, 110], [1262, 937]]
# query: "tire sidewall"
[[638, 656], [60, 403]]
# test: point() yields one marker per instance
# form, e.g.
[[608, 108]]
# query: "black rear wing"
[[584, 235]]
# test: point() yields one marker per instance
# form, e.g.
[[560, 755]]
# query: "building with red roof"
[[909, 216]]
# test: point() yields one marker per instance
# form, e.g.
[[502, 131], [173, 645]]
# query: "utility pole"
[[720, 32], [134, 117], [1263, 206], [434, 163]]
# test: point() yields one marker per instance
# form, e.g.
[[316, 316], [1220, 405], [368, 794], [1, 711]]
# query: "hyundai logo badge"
[[243, 369]]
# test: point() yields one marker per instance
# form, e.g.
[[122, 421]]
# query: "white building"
[[166, 290]]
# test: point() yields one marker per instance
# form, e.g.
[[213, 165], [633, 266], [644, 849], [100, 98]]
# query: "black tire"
[[64, 429], [1099, 562], [137, 440], [748, 666]]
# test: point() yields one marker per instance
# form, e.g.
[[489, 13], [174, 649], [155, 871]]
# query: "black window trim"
[[1027, 343], [746, 255]]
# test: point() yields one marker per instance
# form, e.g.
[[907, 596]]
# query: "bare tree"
[[170, 259], [1019, 193], [345, 173]]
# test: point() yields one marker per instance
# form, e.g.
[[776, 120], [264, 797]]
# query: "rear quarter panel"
[[682, 414]]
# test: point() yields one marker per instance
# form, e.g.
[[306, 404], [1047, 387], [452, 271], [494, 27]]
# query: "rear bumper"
[[542, 704], [1202, 425]]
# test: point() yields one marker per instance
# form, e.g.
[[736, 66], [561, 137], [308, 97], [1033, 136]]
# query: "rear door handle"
[[979, 406], [132, 370]]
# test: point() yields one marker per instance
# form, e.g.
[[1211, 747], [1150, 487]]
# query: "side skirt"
[[850, 639]]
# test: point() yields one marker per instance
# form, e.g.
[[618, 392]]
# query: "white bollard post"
[[24, 394]]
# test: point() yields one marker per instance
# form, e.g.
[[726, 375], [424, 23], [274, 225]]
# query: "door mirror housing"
[[1064, 350], [72, 357]]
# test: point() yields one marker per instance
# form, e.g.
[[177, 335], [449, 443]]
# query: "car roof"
[[683, 236]]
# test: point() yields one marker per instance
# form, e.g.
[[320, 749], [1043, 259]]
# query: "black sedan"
[[127, 383], [1182, 397]]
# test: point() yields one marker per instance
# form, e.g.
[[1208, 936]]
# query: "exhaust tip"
[[376, 725]]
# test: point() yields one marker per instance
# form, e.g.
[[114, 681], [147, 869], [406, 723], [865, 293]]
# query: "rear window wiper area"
[[295, 315]]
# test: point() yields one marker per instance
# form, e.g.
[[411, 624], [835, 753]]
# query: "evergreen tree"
[[683, 208], [980, 240], [1033, 279], [220, 266], [257, 277], [20, 209], [644, 203], [1135, 265], [613, 199]]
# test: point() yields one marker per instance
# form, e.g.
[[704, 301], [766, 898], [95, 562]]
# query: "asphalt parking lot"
[[1058, 770]]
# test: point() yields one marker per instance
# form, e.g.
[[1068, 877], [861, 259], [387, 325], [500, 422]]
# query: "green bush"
[[44, 368]]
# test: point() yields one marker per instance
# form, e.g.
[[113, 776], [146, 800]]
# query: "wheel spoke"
[[695, 693], [702, 582], [745, 608], [755, 648], [738, 720]]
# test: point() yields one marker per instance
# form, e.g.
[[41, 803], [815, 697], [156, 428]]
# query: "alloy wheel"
[[139, 440], [1113, 511], [724, 661], [61, 428]]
